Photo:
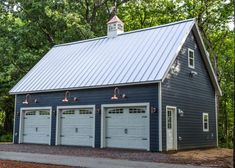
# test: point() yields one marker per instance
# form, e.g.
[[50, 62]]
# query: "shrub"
[[6, 138]]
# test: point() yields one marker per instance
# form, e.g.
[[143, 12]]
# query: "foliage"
[[28, 29], [2, 116], [6, 138]]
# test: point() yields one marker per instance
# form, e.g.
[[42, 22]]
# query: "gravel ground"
[[16, 164], [220, 157]]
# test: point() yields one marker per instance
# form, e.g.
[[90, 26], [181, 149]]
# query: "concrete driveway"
[[89, 162]]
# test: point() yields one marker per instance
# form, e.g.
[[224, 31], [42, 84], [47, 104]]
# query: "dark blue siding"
[[135, 94], [192, 95]]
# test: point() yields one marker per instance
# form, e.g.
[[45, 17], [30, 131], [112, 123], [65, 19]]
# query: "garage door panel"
[[137, 131], [116, 142], [137, 143], [77, 121], [37, 129], [35, 138], [37, 121], [116, 121], [79, 131], [81, 140], [115, 131]]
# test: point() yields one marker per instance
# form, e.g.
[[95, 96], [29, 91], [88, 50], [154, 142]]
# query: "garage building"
[[151, 89]]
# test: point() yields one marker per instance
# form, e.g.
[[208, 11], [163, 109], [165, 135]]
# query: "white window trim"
[[190, 66], [22, 123], [103, 110], [203, 116], [73, 107], [174, 129]]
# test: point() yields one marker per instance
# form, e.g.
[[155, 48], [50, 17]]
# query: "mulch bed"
[[223, 159]]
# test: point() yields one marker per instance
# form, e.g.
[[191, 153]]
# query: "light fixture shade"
[[25, 102], [65, 100], [114, 97], [75, 99]]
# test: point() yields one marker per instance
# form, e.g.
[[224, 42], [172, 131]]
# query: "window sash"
[[205, 119], [191, 60]]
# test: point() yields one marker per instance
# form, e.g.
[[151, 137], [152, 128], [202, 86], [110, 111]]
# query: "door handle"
[[126, 131], [36, 129], [76, 130]]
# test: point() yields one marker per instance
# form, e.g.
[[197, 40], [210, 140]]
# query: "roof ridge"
[[129, 32]]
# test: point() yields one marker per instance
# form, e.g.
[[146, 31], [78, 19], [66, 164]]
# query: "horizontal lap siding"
[[135, 94], [192, 95]]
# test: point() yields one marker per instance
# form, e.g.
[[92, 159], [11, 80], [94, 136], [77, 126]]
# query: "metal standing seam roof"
[[141, 56]]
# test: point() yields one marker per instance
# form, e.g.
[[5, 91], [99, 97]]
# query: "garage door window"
[[44, 113], [85, 111], [30, 113], [68, 112], [116, 111], [136, 110]]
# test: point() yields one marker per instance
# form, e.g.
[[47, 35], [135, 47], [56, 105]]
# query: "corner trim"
[[216, 118], [160, 116], [13, 136]]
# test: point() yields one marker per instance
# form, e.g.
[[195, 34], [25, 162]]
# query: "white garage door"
[[76, 127], [36, 126], [127, 128]]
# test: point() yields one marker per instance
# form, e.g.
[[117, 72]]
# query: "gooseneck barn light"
[[26, 101], [27, 98], [67, 94], [116, 94]]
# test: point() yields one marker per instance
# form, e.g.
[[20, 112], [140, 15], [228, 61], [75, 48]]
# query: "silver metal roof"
[[141, 56]]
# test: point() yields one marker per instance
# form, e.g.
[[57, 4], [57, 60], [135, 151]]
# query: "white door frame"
[[22, 123], [103, 124], [58, 122], [175, 144]]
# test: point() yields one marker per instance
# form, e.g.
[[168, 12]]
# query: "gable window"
[[191, 61], [205, 119]]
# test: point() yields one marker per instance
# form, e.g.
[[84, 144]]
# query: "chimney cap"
[[114, 20]]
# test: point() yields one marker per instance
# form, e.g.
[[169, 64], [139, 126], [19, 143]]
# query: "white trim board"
[[103, 106], [73, 107], [175, 127], [160, 115], [86, 87], [34, 108]]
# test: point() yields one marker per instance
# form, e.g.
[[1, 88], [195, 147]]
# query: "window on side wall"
[[205, 119], [191, 61]]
